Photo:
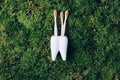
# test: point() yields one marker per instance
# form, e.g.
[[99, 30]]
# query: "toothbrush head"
[[55, 13], [61, 15], [66, 13]]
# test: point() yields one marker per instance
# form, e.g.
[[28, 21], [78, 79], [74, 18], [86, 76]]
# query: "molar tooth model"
[[59, 43]]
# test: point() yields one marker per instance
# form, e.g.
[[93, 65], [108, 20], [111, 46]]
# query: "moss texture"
[[93, 29]]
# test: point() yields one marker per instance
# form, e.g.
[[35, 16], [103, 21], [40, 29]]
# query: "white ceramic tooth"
[[54, 44], [63, 43]]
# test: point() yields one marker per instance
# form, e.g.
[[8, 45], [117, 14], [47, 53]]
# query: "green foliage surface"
[[93, 29]]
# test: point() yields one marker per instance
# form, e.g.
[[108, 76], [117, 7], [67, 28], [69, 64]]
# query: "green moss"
[[94, 40]]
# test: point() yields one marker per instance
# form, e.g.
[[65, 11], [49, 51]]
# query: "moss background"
[[93, 29]]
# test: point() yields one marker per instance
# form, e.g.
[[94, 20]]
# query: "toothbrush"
[[54, 39], [64, 26], [55, 22]]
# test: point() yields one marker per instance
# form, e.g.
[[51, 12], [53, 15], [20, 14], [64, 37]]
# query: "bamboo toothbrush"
[[62, 26], [55, 23]]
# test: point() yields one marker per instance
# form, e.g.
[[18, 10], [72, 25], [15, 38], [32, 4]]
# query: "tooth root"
[[63, 55], [63, 43], [54, 54], [54, 47]]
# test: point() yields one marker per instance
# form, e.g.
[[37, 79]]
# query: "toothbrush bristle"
[[66, 13], [61, 15], [55, 13]]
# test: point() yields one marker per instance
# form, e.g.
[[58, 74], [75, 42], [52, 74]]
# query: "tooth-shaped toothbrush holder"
[[54, 42], [63, 43]]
